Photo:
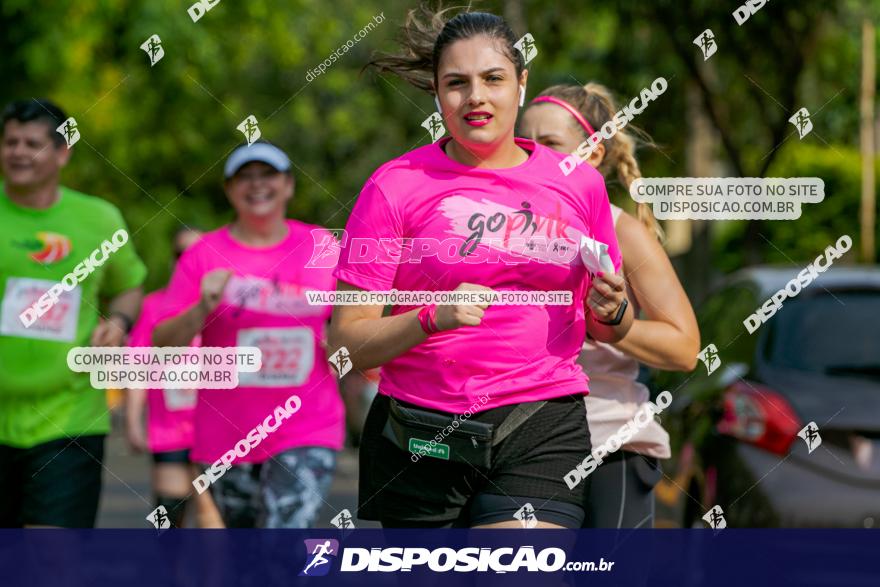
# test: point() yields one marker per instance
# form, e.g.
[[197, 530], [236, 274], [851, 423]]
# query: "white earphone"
[[437, 103]]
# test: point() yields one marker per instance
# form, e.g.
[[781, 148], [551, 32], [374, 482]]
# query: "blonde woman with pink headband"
[[665, 337]]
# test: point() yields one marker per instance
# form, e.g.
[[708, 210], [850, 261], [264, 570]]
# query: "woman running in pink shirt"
[[480, 412], [244, 286], [167, 430], [620, 493]]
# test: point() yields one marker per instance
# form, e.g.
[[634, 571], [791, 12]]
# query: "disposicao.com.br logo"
[[440, 560]]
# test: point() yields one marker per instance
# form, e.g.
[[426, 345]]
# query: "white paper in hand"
[[595, 256]]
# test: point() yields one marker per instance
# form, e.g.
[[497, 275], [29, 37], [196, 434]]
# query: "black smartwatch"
[[125, 318], [618, 317]]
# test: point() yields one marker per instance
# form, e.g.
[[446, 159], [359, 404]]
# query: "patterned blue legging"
[[286, 491]]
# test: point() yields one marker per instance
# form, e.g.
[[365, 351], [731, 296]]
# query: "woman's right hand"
[[450, 317], [213, 284]]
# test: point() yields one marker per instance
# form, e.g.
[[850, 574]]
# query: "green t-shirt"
[[41, 399]]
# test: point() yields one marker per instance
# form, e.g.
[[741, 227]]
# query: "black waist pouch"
[[429, 434], [445, 436]]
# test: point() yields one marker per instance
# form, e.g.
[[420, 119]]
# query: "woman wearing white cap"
[[244, 285]]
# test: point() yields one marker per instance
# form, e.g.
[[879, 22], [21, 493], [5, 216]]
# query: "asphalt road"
[[126, 499]]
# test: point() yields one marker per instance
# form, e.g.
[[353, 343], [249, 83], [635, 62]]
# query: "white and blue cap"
[[260, 151]]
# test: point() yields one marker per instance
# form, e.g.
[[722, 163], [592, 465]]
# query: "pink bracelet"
[[428, 320], [432, 318]]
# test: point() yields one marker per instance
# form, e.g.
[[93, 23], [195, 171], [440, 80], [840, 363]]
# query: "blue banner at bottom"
[[268, 558]]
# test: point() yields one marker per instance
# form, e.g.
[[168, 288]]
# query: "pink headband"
[[571, 110]]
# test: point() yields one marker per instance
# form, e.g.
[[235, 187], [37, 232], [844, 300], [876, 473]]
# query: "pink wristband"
[[427, 319], [432, 318]]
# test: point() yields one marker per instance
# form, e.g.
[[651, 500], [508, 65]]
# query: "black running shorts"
[[56, 483], [527, 467]]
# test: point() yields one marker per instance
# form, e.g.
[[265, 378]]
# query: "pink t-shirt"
[[264, 305], [169, 411], [519, 353]]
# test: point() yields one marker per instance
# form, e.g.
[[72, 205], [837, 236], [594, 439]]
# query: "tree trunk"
[[513, 14], [694, 236]]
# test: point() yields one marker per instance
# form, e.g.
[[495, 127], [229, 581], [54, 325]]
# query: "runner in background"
[[244, 285], [52, 422], [621, 490], [168, 431]]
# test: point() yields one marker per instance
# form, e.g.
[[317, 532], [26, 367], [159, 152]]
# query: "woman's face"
[[258, 190], [554, 127], [479, 92]]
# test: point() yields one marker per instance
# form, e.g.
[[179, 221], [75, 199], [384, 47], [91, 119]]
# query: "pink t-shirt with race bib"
[[264, 305], [169, 411], [514, 229]]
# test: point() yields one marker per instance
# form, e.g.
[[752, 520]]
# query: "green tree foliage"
[[820, 224], [154, 138]]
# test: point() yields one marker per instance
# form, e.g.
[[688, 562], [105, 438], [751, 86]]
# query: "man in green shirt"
[[52, 422]]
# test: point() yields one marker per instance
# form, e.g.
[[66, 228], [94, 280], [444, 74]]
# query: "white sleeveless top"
[[615, 395]]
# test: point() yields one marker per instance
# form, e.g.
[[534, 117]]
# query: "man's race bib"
[[58, 323], [179, 399], [288, 356]]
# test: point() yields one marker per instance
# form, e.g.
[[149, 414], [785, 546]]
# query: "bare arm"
[[128, 302], [370, 338], [181, 329], [135, 400], [668, 338], [373, 340]]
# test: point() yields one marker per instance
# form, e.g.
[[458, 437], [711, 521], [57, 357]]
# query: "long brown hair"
[[426, 32], [596, 103]]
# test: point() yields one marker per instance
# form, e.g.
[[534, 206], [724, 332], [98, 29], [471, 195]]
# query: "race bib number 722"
[[288, 356]]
